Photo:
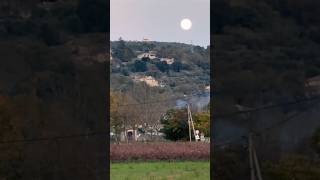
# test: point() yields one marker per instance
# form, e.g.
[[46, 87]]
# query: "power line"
[[54, 138], [150, 102], [280, 122], [252, 151], [68, 136], [268, 107], [274, 125], [106, 133], [159, 101], [228, 142]]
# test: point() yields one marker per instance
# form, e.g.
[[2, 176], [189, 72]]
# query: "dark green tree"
[[145, 59], [202, 122], [175, 125], [140, 66], [176, 66], [122, 52], [163, 66]]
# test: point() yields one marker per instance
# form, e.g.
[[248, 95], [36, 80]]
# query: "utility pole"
[[189, 128], [256, 162], [194, 132], [190, 122], [252, 175]]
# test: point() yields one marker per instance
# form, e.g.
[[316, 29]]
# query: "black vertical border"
[[211, 92], [107, 98]]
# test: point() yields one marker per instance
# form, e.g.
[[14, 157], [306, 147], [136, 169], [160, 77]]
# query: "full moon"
[[185, 24]]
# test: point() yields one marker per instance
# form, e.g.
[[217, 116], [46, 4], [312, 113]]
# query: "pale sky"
[[159, 20]]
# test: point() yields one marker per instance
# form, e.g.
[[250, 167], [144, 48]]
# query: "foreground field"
[[188, 151], [161, 170]]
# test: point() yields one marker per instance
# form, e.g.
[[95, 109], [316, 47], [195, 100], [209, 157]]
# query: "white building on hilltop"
[[145, 39]]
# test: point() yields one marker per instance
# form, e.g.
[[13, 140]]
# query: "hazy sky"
[[159, 20]]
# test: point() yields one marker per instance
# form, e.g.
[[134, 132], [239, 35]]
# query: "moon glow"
[[186, 24]]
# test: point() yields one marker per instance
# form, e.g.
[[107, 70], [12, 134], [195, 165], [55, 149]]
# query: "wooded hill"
[[189, 72], [265, 52], [53, 86]]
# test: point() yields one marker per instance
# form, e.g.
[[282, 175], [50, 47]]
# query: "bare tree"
[[153, 106], [142, 105]]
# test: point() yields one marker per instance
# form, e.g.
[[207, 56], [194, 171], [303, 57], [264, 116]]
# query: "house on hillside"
[[150, 55], [149, 80], [313, 86], [167, 60]]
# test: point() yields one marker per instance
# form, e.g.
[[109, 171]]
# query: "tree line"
[[128, 111]]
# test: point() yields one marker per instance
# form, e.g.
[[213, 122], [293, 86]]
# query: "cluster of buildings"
[[152, 55], [139, 133], [149, 80], [167, 60]]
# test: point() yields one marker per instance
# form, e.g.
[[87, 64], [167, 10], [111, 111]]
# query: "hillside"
[[266, 63], [174, 68], [52, 84], [265, 51]]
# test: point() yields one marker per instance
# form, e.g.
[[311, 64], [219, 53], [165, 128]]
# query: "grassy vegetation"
[[161, 170], [188, 151]]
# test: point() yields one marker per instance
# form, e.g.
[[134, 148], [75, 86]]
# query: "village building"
[[129, 134], [139, 133], [167, 60], [150, 55], [149, 80]]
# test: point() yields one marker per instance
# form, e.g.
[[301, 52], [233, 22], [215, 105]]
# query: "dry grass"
[[160, 151]]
